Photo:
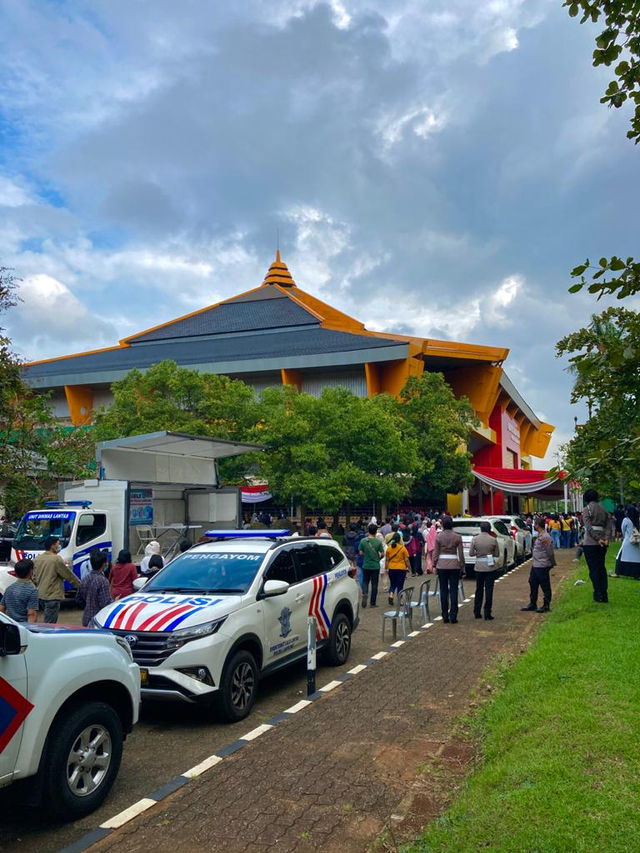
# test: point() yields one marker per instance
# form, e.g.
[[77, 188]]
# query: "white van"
[[79, 526]]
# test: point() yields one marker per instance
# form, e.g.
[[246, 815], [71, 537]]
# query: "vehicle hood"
[[165, 612]]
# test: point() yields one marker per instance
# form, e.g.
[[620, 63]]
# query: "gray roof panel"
[[257, 315], [310, 341]]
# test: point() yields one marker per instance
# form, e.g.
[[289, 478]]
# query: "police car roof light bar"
[[247, 534], [55, 504]]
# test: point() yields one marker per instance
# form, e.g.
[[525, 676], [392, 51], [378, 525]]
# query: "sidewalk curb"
[[119, 820]]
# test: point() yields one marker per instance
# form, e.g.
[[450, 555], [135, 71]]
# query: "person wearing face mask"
[[49, 574]]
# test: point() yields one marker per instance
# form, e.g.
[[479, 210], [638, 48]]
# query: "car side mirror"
[[10, 642], [272, 588], [139, 583]]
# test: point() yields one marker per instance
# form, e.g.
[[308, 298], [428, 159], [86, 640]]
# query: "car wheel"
[[339, 646], [238, 687], [82, 759]]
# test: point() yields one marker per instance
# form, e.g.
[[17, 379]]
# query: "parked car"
[[224, 614], [521, 535], [68, 699], [470, 527]]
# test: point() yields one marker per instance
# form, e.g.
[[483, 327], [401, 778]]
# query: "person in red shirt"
[[122, 576]]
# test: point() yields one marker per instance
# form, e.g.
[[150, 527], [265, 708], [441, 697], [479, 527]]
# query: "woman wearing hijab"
[[628, 559], [153, 548], [430, 544]]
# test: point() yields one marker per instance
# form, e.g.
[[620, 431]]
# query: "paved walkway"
[[357, 760]]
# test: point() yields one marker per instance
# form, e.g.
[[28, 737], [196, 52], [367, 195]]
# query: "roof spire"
[[279, 273]]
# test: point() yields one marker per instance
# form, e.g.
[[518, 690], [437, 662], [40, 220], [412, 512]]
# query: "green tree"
[[605, 362], [175, 398], [334, 450], [618, 44], [35, 450], [441, 424]]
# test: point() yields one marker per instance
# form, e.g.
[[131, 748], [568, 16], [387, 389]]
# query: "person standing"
[[372, 551], [94, 592], [122, 576], [628, 559], [20, 600], [555, 529], [152, 549], [484, 547], [565, 535], [543, 560], [49, 574], [448, 559], [429, 546], [397, 565], [599, 530]]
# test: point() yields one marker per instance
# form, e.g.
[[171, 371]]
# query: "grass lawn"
[[561, 740]]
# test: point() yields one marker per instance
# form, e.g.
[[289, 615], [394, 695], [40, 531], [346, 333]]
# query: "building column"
[[80, 402], [291, 377]]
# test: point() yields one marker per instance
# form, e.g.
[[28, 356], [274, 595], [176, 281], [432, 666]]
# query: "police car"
[[216, 619]]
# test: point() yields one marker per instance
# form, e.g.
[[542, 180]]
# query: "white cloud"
[[49, 317], [13, 193]]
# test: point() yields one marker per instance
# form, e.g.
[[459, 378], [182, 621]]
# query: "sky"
[[433, 167]]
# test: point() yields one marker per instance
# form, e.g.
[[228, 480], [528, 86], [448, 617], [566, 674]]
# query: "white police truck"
[[219, 617], [78, 525], [68, 699]]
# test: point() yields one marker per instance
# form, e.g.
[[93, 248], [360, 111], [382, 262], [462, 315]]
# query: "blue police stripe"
[[7, 715], [114, 613], [182, 617]]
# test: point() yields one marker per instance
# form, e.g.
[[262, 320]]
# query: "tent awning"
[[167, 457], [520, 482]]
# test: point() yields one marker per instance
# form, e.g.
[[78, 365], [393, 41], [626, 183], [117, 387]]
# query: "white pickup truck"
[[68, 699]]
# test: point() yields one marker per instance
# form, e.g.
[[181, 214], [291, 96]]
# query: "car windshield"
[[35, 527], [208, 571]]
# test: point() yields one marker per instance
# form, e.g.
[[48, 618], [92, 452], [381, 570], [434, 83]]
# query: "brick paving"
[[369, 755]]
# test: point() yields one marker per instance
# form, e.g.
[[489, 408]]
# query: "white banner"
[[515, 488]]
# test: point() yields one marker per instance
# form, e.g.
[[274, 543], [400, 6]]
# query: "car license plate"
[[144, 676]]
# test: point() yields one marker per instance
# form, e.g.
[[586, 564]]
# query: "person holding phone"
[[484, 547]]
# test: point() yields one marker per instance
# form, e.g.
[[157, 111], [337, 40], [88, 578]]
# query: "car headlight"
[[124, 645], [185, 635]]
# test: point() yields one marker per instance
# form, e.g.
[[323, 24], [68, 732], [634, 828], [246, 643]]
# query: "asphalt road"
[[170, 739]]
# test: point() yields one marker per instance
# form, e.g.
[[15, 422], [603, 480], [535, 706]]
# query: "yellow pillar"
[[80, 402], [291, 377]]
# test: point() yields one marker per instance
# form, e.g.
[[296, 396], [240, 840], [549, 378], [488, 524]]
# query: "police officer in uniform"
[[599, 530], [484, 547], [543, 560]]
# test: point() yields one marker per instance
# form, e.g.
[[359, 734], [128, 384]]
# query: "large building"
[[278, 334]]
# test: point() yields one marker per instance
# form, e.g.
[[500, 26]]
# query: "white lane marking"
[[379, 655], [205, 765], [437, 619], [128, 814], [357, 669], [397, 644], [254, 733], [330, 686], [467, 600], [428, 625], [414, 634], [297, 707]]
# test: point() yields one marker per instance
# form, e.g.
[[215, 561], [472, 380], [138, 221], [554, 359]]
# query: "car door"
[[285, 616], [506, 543], [312, 585], [14, 707]]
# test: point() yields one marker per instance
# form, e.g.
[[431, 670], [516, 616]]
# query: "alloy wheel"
[[89, 760]]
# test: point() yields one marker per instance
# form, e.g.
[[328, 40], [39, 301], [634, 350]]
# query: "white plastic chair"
[[422, 603], [401, 615]]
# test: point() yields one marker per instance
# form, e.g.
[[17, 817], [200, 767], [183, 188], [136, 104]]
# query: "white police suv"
[[220, 616]]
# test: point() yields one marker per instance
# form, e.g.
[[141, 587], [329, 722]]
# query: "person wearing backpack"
[[628, 559], [372, 551], [350, 543]]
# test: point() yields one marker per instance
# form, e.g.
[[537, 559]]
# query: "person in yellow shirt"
[[397, 564], [555, 528], [565, 536]]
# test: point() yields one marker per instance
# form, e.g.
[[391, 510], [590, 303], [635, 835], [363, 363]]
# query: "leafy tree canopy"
[[441, 424], [618, 45], [605, 361], [335, 449]]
